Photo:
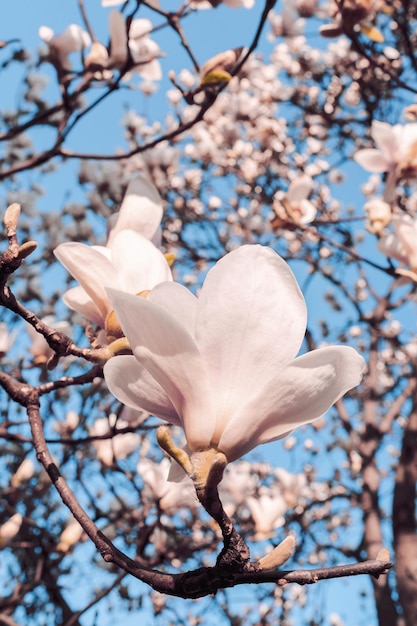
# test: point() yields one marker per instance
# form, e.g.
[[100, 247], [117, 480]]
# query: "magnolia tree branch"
[[192, 584]]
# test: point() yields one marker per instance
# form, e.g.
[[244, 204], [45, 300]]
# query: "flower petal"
[[251, 320], [300, 188], [179, 301], [169, 353], [372, 160], [132, 384], [141, 209], [118, 39], [139, 264], [295, 395], [90, 267], [78, 300]]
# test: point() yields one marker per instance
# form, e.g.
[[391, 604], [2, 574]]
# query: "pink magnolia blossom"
[[222, 365], [129, 261], [396, 153]]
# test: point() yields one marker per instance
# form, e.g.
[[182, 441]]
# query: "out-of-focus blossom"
[[223, 365], [396, 153], [23, 473], [143, 51], [6, 339], [114, 3], [40, 349], [110, 447], [168, 495], [402, 245], [129, 261], [294, 207], [238, 483], [9, 529], [378, 215], [287, 23], [72, 39], [267, 511], [71, 535]]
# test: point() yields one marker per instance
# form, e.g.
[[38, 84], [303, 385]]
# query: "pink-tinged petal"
[[118, 39], [150, 70], [251, 320], [389, 139], [295, 395], [169, 353], [179, 302], [141, 209], [406, 231], [138, 263], [308, 212], [139, 28], [300, 188], [393, 248], [111, 3], [78, 300], [134, 387], [72, 39], [372, 160], [90, 267]]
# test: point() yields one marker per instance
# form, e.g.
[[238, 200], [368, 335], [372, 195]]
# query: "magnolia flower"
[[72, 39], [143, 51], [9, 529], [378, 215], [233, 4], [267, 511], [71, 535], [113, 446], [402, 244], [23, 473], [294, 206], [169, 495], [396, 153], [129, 261], [223, 365], [6, 339]]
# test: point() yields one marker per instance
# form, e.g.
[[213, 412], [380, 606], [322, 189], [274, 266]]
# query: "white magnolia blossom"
[[9, 529], [169, 495], [267, 511], [402, 244], [72, 39], [144, 52], [396, 153], [6, 338], [71, 535], [129, 261], [233, 4], [378, 215], [112, 447], [223, 366], [23, 473], [294, 206]]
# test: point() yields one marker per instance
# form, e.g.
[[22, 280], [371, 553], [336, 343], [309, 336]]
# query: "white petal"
[[179, 302], [90, 267], [372, 160], [170, 355], [251, 319], [150, 70], [296, 395], [111, 3], [300, 188], [138, 263], [388, 139], [78, 300], [139, 28], [132, 384], [141, 209]]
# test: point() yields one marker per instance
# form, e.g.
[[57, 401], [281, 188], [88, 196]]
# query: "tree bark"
[[404, 521]]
